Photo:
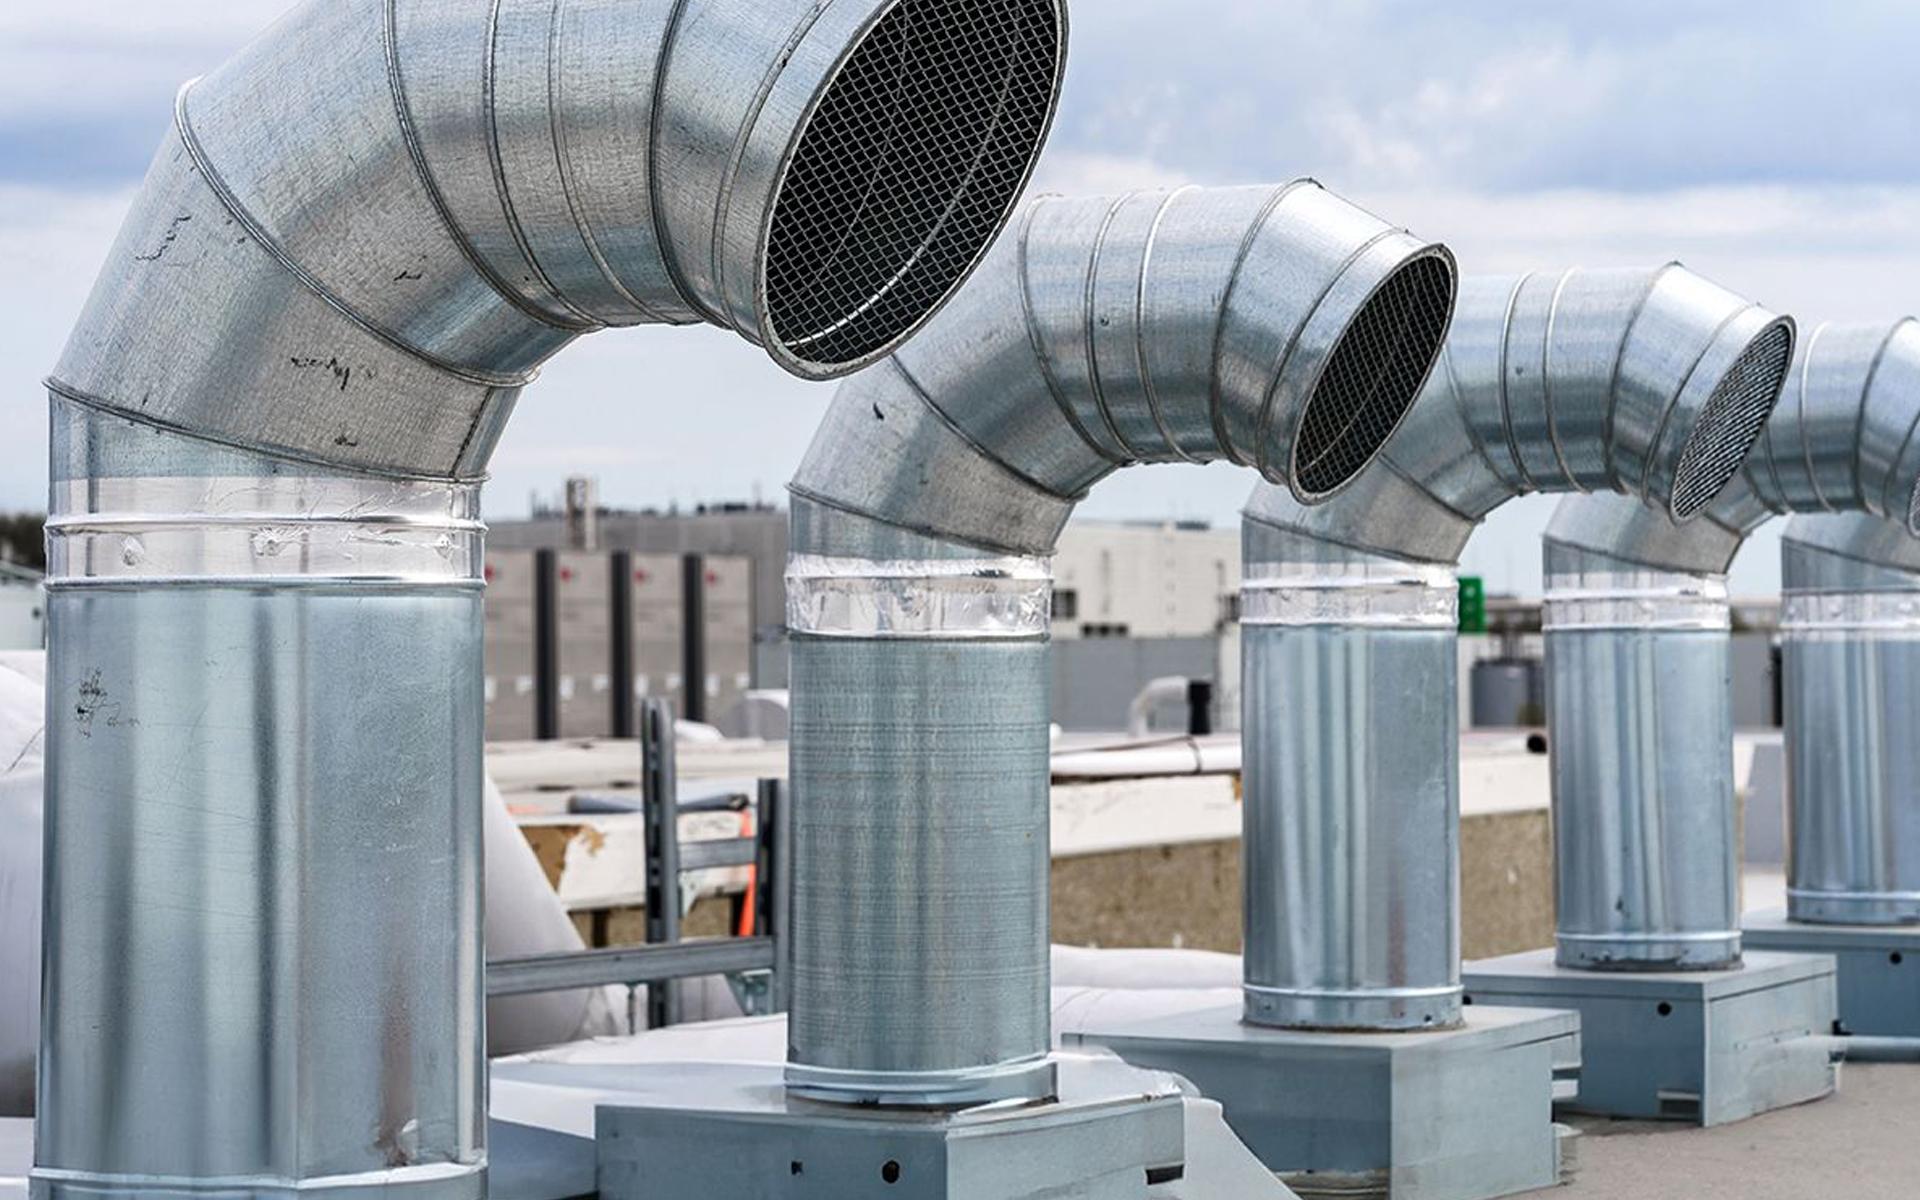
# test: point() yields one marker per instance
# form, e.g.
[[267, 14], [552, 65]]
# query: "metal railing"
[[666, 959]]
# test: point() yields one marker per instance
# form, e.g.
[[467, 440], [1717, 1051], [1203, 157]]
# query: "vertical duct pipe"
[[1278, 328], [1852, 634], [363, 235], [1651, 383], [1638, 644], [1639, 714]]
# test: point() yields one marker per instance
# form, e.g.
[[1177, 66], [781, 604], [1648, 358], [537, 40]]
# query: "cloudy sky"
[[1774, 146]]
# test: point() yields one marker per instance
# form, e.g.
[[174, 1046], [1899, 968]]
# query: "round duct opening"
[[905, 172], [1375, 374], [1732, 421]]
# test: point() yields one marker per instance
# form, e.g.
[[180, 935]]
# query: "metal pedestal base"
[[1447, 1115], [1879, 968], [1703, 1046], [732, 1133]]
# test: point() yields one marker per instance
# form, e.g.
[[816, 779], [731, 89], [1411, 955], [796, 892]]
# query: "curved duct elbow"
[[1845, 438], [1280, 329], [1638, 648], [364, 235], [1850, 633], [370, 227], [1651, 383]]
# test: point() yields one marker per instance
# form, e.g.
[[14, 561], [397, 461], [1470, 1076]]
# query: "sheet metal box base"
[[1879, 968], [1708, 1047], [1444, 1115], [730, 1132]]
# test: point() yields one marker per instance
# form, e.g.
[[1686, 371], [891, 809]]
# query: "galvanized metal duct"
[[269, 429], [1279, 328], [1652, 383], [1640, 710], [1852, 637]]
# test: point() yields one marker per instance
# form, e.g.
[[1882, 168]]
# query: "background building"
[[1134, 601], [1145, 580]]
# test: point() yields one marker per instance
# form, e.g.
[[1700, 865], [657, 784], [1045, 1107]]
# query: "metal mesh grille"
[[1374, 376], [1913, 510], [1731, 423], [907, 170]]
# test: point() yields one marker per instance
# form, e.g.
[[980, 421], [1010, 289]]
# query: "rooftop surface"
[[1862, 1143]]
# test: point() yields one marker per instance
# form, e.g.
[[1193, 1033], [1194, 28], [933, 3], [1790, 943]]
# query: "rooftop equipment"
[[1645, 811], [1852, 684], [361, 238], [1651, 383], [1278, 328]]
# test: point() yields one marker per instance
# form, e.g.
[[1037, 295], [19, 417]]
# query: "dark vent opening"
[[1374, 376], [1732, 421], [1913, 510], [906, 172]]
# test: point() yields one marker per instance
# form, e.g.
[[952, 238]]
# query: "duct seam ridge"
[[489, 71], [723, 208], [1673, 402], [357, 584], [1141, 356], [1912, 506], [1806, 445], [1707, 937], [1546, 384], [1798, 381], [1005, 598], [1813, 613], [1270, 401], [569, 180], [416, 155], [1860, 416], [1215, 400], [1526, 483], [1440, 502], [1466, 423], [669, 256], [1045, 361], [1089, 313], [920, 393], [1342, 541], [183, 126], [1608, 440], [67, 391], [916, 528]]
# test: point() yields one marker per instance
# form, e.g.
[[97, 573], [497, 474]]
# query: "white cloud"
[[94, 55], [1772, 146]]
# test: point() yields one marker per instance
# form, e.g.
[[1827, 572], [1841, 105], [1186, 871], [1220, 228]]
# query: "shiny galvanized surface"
[[1192, 326], [919, 771], [1588, 381], [263, 896], [1626, 710], [369, 228], [1636, 381], [1276, 327], [1644, 814], [1352, 883], [362, 236], [1844, 439], [1852, 688]]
